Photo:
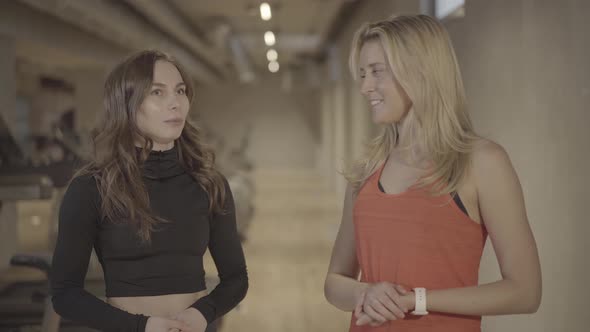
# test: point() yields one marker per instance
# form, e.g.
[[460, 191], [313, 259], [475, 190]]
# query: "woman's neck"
[[409, 149], [162, 146], [157, 146]]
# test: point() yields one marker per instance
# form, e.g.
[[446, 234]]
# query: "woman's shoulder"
[[488, 153], [490, 159], [83, 185], [80, 204], [84, 180]]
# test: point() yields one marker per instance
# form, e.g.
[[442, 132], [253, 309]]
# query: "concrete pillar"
[[8, 215], [88, 98], [360, 122], [340, 135], [8, 82], [334, 121], [325, 158], [8, 233]]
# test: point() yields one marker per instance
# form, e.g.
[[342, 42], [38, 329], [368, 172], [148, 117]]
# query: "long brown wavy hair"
[[115, 163]]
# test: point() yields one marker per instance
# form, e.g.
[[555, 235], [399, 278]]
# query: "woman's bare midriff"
[[160, 305]]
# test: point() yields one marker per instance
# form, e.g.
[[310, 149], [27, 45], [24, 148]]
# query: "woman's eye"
[[181, 91], [157, 92]]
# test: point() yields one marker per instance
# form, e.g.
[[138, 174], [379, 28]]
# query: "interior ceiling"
[[300, 26], [47, 57], [199, 30]]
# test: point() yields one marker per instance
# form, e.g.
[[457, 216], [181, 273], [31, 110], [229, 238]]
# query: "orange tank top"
[[416, 240]]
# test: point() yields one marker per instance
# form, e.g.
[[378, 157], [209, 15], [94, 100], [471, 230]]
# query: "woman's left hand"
[[361, 317], [193, 318]]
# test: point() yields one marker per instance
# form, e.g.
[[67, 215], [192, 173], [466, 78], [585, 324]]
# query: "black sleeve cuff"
[[206, 309], [141, 323]]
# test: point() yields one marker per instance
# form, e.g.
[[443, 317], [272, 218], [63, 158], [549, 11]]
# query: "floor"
[[288, 250]]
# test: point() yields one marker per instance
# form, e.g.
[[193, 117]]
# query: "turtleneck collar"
[[162, 164]]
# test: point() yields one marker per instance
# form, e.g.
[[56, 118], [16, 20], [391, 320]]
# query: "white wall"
[[527, 79], [282, 135]]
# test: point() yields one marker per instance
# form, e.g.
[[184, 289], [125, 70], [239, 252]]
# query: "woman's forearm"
[[497, 298], [343, 291]]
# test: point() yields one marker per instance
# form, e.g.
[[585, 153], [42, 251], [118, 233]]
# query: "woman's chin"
[[380, 120]]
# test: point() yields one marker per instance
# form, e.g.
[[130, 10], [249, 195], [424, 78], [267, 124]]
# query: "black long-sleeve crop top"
[[171, 264]]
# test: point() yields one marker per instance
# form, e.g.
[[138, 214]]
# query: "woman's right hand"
[[161, 324], [380, 302]]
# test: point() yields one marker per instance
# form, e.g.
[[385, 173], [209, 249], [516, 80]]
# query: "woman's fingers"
[[358, 309], [374, 315], [401, 289], [363, 319], [393, 307], [177, 325], [393, 294]]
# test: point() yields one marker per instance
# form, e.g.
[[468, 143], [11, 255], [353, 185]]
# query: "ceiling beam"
[[24, 23], [169, 21], [116, 22]]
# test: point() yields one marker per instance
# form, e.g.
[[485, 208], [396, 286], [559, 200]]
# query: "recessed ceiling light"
[[265, 12], [272, 55], [269, 38], [273, 66]]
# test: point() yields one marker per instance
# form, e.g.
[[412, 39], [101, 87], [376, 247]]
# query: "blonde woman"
[[422, 202]]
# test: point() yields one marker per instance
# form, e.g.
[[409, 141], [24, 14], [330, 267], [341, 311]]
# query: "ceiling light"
[[272, 55], [273, 66], [269, 38], [265, 12]]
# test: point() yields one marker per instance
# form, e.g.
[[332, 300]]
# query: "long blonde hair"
[[419, 52]]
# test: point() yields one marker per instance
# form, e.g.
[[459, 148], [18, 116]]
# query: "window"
[[444, 9]]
